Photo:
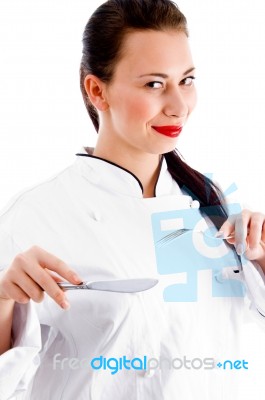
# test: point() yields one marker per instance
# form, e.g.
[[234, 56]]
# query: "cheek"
[[137, 109], [192, 101]]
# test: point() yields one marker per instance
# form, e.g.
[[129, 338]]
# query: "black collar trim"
[[116, 165]]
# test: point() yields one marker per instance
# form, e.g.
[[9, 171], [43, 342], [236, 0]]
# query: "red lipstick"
[[172, 131]]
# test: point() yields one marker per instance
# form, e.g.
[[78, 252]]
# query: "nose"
[[176, 104]]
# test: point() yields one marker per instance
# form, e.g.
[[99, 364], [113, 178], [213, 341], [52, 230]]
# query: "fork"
[[173, 235]]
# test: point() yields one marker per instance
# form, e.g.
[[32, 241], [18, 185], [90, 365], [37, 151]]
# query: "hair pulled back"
[[103, 39]]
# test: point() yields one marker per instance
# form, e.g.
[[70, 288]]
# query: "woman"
[[98, 219]]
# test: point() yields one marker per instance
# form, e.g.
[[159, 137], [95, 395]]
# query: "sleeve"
[[253, 278], [252, 273], [18, 365], [255, 285]]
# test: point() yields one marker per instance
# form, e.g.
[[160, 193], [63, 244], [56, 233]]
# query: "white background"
[[44, 121]]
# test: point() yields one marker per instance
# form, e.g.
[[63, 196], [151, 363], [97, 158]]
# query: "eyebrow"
[[165, 75]]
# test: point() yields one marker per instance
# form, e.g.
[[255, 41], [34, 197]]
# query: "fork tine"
[[173, 235]]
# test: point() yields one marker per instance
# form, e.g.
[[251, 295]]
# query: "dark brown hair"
[[102, 49]]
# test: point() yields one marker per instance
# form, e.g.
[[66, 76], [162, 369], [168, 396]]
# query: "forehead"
[[142, 50]]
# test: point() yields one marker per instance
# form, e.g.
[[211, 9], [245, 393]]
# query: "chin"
[[163, 149]]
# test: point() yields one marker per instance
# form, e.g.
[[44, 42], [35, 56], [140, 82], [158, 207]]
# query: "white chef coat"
[[93, 216]]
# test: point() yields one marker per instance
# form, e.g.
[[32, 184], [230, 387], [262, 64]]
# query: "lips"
[[172, 131]]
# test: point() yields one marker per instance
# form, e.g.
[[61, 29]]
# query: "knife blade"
[[115, 285]]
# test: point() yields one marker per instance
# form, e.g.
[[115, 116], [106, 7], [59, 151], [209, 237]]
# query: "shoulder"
[[39, 194]]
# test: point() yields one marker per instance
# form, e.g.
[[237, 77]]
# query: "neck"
[[145, 166]]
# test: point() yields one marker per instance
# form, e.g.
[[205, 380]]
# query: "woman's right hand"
[[34, 272]]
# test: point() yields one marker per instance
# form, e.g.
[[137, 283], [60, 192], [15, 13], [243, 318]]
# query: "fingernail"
[[219, 234], [76, 278], [240, 249], [65, 305]]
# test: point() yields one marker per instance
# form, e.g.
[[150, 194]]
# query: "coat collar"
[[117, 179]]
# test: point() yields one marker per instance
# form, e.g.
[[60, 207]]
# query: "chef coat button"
[[149, 373], [97, 216], [195, 204]]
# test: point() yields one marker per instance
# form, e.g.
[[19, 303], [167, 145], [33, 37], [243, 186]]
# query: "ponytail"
[[199, 187]]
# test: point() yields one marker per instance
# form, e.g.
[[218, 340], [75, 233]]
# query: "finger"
[[51, 262], [255, 230], [27, 264], [227, 228], [54, 276], [263, 232], [12, 291], [48, 284], [31, 288], [241, 231]]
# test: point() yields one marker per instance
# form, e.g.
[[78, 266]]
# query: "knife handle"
[[71, 286]]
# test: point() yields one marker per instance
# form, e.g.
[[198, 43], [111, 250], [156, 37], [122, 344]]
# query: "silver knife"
[[115, 285]]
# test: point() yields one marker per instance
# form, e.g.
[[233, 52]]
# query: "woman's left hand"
[[248, 235]]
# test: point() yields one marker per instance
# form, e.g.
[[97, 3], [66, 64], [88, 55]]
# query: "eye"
[[155, 85], [188, 81]]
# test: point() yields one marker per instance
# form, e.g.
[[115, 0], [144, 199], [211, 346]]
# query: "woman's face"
[[151, 94]]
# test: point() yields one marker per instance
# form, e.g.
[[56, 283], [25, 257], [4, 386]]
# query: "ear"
[[95, 89]]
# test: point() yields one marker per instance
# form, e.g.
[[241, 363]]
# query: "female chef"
[[93, 220]]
